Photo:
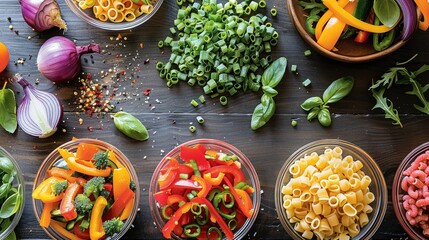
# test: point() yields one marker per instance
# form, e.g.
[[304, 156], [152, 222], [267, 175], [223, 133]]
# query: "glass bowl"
[[54, 158], [369, 167], [246, 167], [347, 49], [89, 17], [415, 232], [18, 181]]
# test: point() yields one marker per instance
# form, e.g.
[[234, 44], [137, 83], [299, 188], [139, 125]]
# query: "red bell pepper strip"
[[109, 187], [161, 197], [167, 178], [119, 205], [186, 184], [183, 168], [242, 199], [236, 172], [174, 220], [362, 36], [205, 186], [196, 153], [172, 163], [172, 199], [79, 233], [67, 208], [213, 213]]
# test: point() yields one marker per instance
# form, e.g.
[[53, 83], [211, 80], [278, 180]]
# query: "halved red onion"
[[42, 14]]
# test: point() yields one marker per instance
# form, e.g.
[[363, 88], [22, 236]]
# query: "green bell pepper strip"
[[381, 41]]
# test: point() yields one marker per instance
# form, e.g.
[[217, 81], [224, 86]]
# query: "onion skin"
[[39, 112], [42, 14], [59, 58], [409, 13]]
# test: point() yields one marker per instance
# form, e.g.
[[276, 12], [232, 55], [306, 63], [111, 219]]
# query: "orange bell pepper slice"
[[334, 28], [91, 171], [86, 151], [205, 186], [96, 230], [62, 173], [214, 181], [121, 182], [45, 217], [424, 9], [325, 18], [128, 209], [61, 230], [242, 199]]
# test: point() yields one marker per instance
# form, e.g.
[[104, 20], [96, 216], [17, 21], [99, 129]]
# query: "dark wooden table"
[[167, 113]]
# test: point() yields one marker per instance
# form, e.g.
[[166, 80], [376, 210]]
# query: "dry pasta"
[[328, 195], [117, 10]]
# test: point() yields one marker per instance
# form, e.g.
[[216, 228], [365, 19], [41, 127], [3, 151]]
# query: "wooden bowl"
[[348, 50]]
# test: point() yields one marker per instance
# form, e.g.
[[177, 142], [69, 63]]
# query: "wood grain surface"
[[167, 113]]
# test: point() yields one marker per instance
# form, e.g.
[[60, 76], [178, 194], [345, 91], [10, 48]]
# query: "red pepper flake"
[[35, 147], [119, 36], [122, 72], [147, 92], [90, 128]]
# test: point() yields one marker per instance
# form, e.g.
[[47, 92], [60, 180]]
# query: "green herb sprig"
[[401, 76], [270, 79], [318, 107], [8, 109]]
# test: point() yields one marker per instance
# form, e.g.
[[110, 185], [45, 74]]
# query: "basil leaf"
[[311, 103], [6, 165], [324, 117], [11, 236], [263, 112], [387, 11], [313, 113], [4, 189], [130, 126], [8, 110], [274, 73], [269, 91], [338, 89], [10, 206]]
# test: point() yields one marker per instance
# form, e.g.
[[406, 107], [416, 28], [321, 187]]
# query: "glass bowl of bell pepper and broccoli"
[[205, 189], [86, 189]]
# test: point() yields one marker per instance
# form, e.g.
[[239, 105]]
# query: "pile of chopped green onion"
[[215, 47]]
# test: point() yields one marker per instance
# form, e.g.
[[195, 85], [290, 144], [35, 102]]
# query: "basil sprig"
[[270, 79], [318, 107], [8, 109], [130, 126]]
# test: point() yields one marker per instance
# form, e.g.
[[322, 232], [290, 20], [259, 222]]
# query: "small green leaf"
[[419, 91], [313, 113], [6, 165], [324, 117], [338, 89], [421, 70], [263, 112], [390, 77], [10, 206], [130, 126], [8, 110], [11, 236], [274, 73], [311, 103], [387, 11], [269, 91], [312, 4], [386, 105]]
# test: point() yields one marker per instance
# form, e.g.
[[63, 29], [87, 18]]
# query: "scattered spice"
[[147, 91]]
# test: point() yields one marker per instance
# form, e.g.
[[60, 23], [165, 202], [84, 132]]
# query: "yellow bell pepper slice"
[[325, 18], [96, 230], [91, 171], [121, 182], [349, 19], [334, 28], [115, 160]]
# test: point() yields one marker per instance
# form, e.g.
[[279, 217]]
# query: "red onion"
[[42, 14], [39, 112], [409, 13], [59, 58]]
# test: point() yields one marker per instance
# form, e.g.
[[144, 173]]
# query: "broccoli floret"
[[83, 204], [59, 187], [101, 159], [133, 185], [94, 186], [112, 226], [84, 225]]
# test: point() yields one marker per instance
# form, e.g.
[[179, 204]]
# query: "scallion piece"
[[273, 12], [223, 100], [194, 103], [192, 129], [200, 119]]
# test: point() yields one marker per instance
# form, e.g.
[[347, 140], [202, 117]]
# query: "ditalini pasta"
[[117, 10], [328, 196]]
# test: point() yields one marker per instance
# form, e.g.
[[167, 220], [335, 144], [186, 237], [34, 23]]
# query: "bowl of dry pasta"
[[114, 14], [330, 189], [410, 192]]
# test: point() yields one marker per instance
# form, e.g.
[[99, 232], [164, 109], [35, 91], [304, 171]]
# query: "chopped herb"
[[306, 82]]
